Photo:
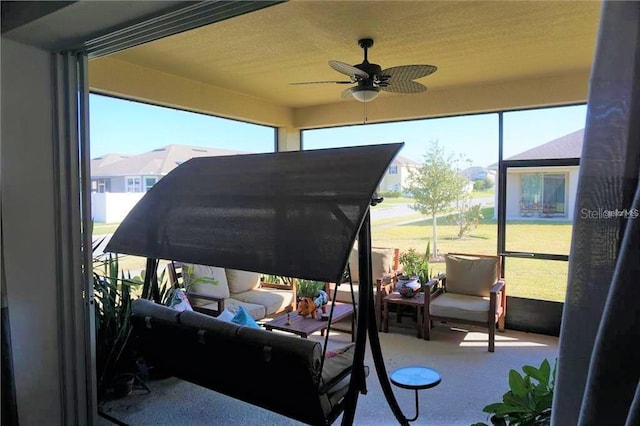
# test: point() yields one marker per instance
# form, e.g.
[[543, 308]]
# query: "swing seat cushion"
[[242, 362]]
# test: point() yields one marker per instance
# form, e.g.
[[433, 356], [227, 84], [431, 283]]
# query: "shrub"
[[309, 288], [528, 401], [390, 194], [467, 218]]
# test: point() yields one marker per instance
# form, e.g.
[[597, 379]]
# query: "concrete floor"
[[471, 379]]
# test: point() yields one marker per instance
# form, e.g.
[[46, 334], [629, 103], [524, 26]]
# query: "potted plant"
[[528, 401], [115, 359], [416, 271], [309, 288]]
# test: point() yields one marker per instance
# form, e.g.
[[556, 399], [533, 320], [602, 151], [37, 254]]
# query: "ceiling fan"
[[371, 78]]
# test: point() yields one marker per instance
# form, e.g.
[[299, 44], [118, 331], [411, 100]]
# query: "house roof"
[[159, 161], [107, 159], [567, 146], [405, 161], [474, 172]]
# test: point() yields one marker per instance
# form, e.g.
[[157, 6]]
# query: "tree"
[[467, 217], [436, 185]]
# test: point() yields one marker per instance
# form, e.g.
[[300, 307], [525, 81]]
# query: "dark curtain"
[[599, 360], [9, 404]]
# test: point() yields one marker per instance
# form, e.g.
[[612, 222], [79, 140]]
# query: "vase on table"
[[408, 286]]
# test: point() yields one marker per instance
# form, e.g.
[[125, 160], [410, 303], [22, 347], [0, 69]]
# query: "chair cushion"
[[470, 308], [381, 262], [344, 292], [337, 361], [241, 281], [220, 290], [473, 276], [273, 300]]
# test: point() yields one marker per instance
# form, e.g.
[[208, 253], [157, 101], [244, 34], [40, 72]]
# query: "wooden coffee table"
[[304, 326]]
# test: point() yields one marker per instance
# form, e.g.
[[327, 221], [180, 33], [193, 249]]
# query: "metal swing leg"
[[367, 322]]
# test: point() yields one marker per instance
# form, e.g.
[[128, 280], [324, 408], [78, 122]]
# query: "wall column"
[[289, 139]]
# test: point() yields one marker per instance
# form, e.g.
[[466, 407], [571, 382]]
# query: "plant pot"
[[123, 385], [408, 287]]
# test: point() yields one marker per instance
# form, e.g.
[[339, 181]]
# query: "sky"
[[126, 127]]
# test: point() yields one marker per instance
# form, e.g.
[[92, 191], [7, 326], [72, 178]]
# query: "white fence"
[[110, 207]]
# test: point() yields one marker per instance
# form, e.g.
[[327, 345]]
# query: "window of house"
[[101, 185], [393, 170], [149, 182], [134, 184], [542, 194]]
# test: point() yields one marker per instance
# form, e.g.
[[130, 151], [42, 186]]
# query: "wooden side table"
[[415, 378], [416, 301]]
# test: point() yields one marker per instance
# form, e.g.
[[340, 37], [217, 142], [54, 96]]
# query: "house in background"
[[545, 191], [138, 173], [397, 176], [477, 173], [119, 181]]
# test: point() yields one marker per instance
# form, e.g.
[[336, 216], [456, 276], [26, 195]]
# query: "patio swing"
[[290, 214]]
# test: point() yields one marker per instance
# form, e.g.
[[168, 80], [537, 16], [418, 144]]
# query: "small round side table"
[[415, 378]]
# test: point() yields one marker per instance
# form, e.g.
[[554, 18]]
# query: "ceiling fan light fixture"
[[365, 94]]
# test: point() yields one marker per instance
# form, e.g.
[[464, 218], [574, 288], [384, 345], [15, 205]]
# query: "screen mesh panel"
[[293, 214]]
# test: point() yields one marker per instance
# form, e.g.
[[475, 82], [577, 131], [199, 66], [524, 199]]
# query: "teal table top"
[[415, 377]]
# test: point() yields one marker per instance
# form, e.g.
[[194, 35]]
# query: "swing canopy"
[[292, 214]]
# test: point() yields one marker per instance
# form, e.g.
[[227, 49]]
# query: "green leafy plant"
[[190, 279], [417, 265], [466, 218], [528, 401], [112, 303], [309, 288], [277, 279]]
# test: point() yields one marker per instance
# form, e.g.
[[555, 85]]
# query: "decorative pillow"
[[473, 276], [242, 317], [226, 316], [241, 281], [179, 301], [381, 262], [199, 279]]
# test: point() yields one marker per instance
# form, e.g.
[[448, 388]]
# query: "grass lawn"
[[392, 201], [483, 194], [537, 279], [104, 228]]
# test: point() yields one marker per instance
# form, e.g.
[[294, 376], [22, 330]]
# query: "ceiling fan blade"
[[408, 72], [346, 69], [346, 94], [323, 82], [406, 86]]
